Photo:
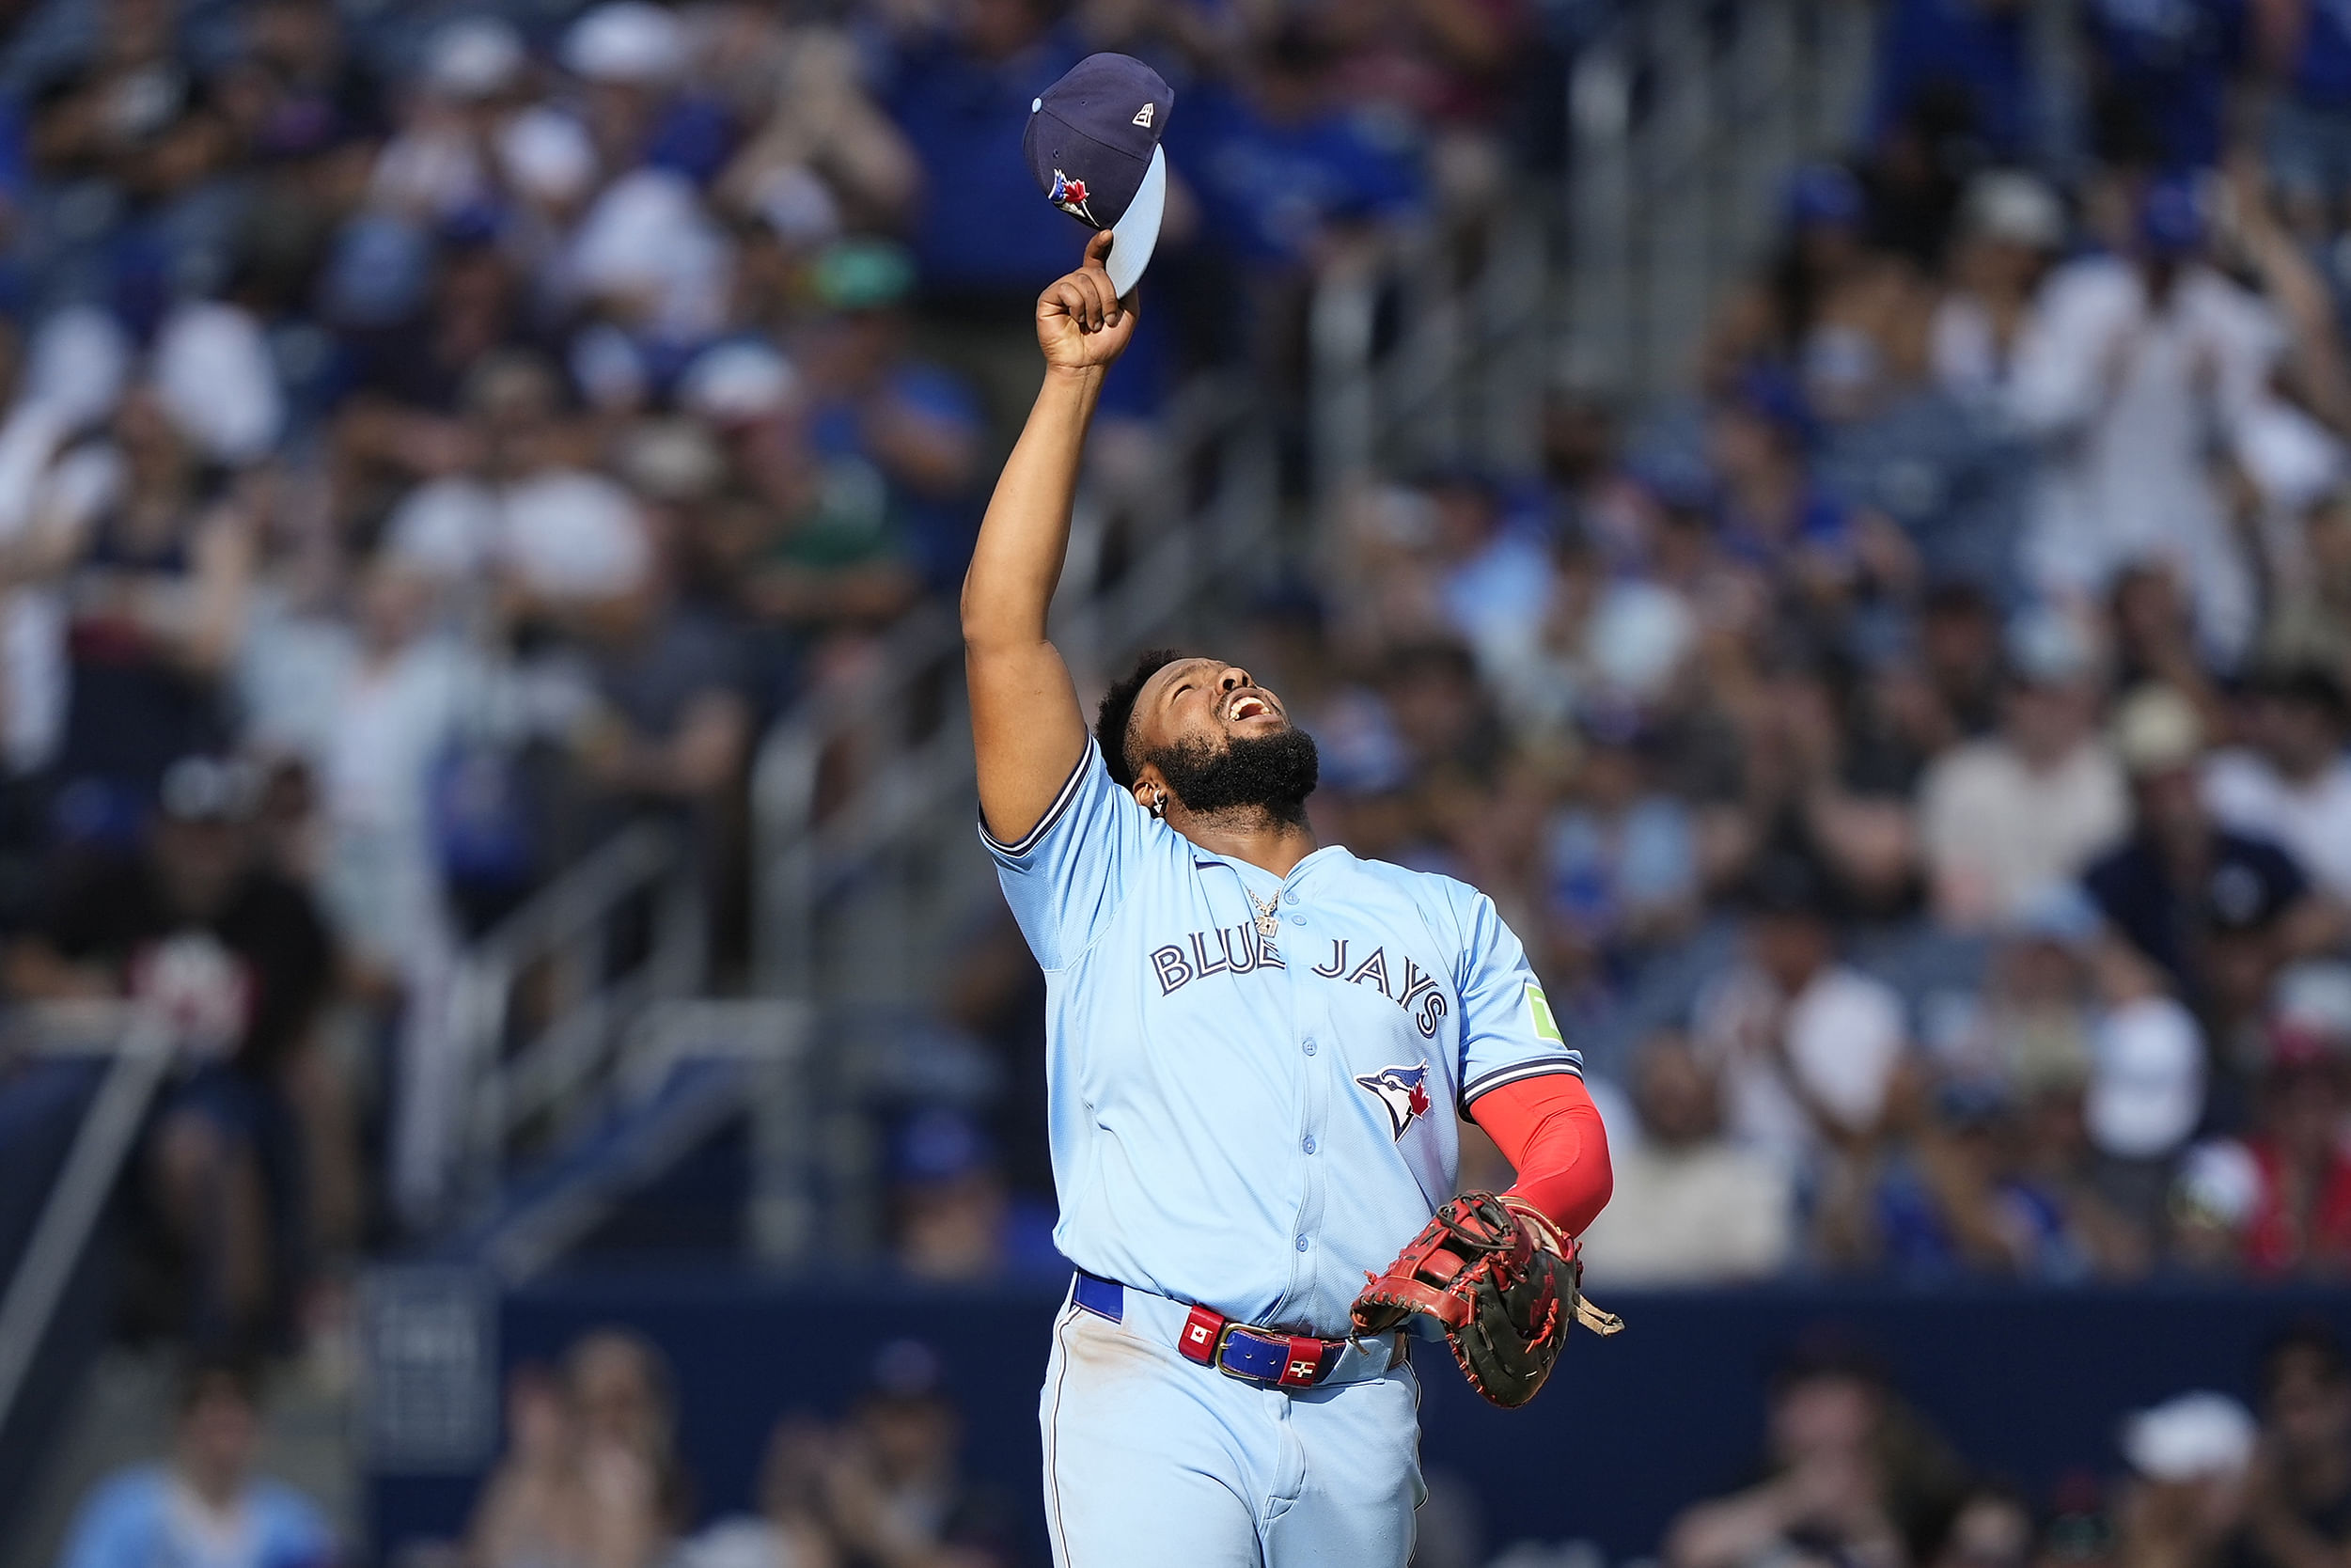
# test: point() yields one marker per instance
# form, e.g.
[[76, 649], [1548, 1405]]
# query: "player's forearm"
[[1551, 1132], [1016, 564]]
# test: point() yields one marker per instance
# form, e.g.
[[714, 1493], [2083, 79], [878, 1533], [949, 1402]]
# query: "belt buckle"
[[1284, 1342], [1217, 1356]]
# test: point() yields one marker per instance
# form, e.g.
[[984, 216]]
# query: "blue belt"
[[1265, 1356]]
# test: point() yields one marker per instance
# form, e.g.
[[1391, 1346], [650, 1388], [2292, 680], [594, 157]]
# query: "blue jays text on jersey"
[[1252, 1122]]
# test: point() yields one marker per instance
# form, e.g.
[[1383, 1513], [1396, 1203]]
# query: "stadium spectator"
[[2190, 1460], [2308, 44], [591, 1477], [251, 1159], [2011, 227], [204, 1503], [2162, 81], [1689, 1208], [1991, 1529], [904, 434], [530, 1510], [2290, 782], [2130, 360], [1621, 858], [1853, 1475], [951, 1201], [162, 560], [2301, 1219], [2006, 819], [2217, 912], [2300, 1512], [1807, 1046], [884, 1489]]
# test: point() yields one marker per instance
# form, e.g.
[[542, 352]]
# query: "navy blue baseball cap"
[[1094, 144]]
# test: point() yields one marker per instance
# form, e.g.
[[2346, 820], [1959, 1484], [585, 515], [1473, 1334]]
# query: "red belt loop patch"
[[1201, 1331], [1304, 1367]]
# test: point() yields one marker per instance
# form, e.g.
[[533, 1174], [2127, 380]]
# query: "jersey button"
[[1307, 1146], [1302, 1244], [1297, 919], [1291, 897], [1310, 1047]]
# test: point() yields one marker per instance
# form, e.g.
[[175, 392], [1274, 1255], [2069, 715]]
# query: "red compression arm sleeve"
[[1550, 1132]]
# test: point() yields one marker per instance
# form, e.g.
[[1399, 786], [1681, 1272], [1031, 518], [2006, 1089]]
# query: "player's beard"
[[1274, 772]]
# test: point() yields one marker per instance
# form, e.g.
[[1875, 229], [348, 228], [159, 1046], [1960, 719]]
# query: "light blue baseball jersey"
[[1248, 1123]]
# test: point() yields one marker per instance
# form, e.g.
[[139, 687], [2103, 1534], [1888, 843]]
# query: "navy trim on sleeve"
[[1053, 814], [1518, 1071]]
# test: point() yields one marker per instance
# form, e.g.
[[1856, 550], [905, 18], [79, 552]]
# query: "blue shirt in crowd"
[[982, 224], [1970, 44], [2322, 64], [144, 1518], [2171, 60], [1269, 188]]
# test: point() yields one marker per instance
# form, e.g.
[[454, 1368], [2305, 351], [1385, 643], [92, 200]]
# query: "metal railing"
[[1685, 117], [139, 1045], [1462, 382], [586, 973], [864, 799]]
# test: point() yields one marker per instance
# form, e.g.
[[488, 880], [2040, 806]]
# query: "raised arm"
[[1026, 724]]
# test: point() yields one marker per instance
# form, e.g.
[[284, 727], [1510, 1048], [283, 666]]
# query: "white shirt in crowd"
[[1997, 833], [2311, 821], [2130, 404], [1836, 1043], [1707, 1214]]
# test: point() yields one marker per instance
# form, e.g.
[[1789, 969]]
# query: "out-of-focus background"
[[1836, 514]]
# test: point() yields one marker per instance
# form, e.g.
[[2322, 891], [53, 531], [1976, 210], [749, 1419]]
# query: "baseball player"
[[1257, 1047]]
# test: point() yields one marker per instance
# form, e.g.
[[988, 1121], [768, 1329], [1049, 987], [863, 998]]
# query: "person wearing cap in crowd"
[[2011, 227], [1807, 1046], [2191, 1459], [950, 1204], [906, 430], [893, 1487], [2290, 782], [2216, 911], [2003, 819], [2129, 365], [252, 1147]]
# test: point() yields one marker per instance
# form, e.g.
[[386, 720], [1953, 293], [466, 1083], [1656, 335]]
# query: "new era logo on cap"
[[1096, 155]]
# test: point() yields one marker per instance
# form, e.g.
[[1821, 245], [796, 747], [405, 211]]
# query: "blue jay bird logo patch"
[[1403, 1090], [1070, 195]]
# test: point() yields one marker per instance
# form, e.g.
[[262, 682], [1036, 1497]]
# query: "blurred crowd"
[[1853, 1474], [1914, 752], [592, 1474], [434, 437]]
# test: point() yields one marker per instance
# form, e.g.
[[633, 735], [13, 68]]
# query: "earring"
[[1159, 804]]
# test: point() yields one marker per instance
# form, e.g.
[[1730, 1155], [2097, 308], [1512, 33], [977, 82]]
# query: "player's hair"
[[1117, 713]]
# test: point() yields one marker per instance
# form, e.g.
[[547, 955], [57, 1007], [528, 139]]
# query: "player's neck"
[[1248, 833]]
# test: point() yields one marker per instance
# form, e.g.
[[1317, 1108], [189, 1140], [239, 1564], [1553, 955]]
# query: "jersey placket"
[[1310, 1028]]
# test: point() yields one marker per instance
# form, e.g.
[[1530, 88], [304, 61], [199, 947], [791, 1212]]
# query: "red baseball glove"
[[1501, 1280]]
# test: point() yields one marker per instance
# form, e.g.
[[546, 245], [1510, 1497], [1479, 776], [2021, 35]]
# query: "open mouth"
[[1248, 705]]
